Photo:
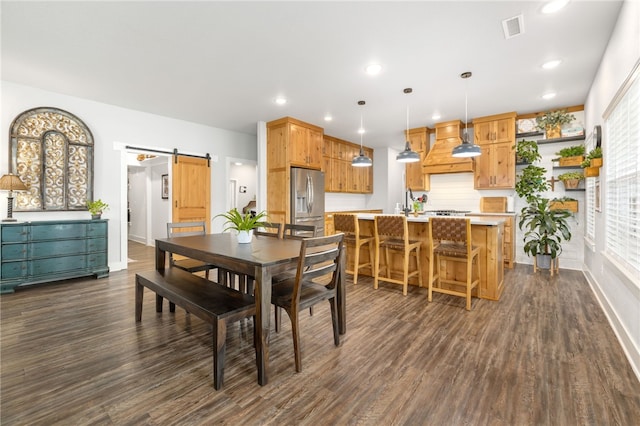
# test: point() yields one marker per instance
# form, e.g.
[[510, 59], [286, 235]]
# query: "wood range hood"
[[439, 159]]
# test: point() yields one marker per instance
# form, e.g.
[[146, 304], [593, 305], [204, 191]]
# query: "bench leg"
[[139, 294], [158, 303], [172, 307], [219, 339]]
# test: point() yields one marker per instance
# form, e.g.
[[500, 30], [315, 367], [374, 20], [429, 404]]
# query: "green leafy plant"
[[554, 118], [527, 152], [97, 207], [545, 229], [571, 151], [530, 181], [239, 222], [595, 153], [571, 175], [585, 163]]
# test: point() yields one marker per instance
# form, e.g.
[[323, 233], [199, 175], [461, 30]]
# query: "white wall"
[[111, 125], [137, 198], [618, 293], [246, 175]]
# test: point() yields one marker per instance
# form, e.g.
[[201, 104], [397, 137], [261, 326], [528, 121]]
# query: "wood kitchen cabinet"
[[416, 177], [495, 168], [340, 174]]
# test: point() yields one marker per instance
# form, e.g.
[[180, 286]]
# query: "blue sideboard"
[[43, 251]]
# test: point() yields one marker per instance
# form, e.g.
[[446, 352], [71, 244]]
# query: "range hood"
[[439, 158]]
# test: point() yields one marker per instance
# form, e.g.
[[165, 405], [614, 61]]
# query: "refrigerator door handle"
[[309, 194], [310, 219]]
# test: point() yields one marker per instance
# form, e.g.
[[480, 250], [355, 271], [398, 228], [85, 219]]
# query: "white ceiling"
[[223, 63]]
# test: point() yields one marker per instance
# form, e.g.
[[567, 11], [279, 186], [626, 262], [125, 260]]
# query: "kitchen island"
[[486, 232]]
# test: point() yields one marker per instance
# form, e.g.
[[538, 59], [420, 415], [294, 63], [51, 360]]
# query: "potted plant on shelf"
[[570, 156], [530, 181], [96, 208], [571, 180], [244, 224], [545, 229], [564, 203], [527, 152], [592, 162], [551, 122]]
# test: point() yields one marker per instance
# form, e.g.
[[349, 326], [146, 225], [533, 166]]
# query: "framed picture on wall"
[[165, 187]]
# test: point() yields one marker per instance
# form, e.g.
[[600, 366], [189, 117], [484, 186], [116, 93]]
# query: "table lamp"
[[11, 182]]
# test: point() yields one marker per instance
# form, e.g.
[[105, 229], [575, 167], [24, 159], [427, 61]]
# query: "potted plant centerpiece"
[[551, 122], [527, 152], [571, 180], [545, 229], [96, 208], [244, 224]]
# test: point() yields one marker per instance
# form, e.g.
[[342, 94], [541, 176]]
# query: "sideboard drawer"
[[14, 251], [14, 234], [14, 269], [59, 264], [96, 244], [58, 231], [57, 248]]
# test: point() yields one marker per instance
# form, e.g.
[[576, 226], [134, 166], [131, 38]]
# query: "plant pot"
[[245, 237], [543, 261], [591, 171], [96, 216], [571, 161], [564, 205], [595, 162], [571, 183], [553, 132]]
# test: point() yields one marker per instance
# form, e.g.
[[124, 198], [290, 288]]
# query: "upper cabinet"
[[340, 175], [300, 143], [417, 179], [496, 166]]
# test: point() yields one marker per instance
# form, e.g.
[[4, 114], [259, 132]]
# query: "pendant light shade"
[[466, 148], [408, 156], [361, 160]]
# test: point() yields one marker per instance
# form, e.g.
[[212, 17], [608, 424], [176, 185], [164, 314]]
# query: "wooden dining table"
[[261, 259]]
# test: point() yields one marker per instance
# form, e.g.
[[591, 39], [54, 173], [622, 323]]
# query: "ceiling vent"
[[513, 26]]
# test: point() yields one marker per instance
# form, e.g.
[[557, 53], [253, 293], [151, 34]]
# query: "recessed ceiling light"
[[361, 130], [554, 6], [237, 163], [281, 100], [435, 116], [373, 69], [551, 64], [328, 117], [549, 95]]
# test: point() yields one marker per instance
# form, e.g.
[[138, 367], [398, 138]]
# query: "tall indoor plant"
[[545, 229]]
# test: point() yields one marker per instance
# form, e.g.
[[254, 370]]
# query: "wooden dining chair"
[[348, 225], [319, 261], [392, 235], [269, 229], [298, 231], [450, 240], [188, 229]]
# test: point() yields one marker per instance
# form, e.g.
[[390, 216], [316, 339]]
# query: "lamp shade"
[[466, 149], [408, 156], [361, 160], [11, 182]]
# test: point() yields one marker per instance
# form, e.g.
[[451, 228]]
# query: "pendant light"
[[361, 160], [466, 148], [408, 156]]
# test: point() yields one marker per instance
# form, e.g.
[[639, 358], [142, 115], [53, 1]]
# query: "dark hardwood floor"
[[72, 354]]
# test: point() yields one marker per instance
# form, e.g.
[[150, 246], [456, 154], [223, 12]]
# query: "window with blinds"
[[622, 165]]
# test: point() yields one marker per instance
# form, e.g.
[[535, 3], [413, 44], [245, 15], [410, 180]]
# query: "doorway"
[[243, 185]]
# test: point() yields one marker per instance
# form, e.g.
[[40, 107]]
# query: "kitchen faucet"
[[407, 194]]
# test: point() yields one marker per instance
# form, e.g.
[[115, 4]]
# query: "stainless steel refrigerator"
[[307, 198]]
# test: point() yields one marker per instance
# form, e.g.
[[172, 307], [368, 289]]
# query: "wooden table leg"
[[262, 294]]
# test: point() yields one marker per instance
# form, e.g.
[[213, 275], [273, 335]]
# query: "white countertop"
[[475, 220]]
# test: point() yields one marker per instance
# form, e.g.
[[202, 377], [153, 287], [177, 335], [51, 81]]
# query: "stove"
[[447, 212]]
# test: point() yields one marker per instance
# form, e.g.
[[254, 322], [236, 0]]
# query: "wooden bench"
[[211, 302]]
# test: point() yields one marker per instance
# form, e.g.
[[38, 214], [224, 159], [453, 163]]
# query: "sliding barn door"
[[191, 190]]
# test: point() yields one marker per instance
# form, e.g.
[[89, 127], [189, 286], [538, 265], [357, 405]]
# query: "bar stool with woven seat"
[[348, 225], [450, 240], [392, 235]]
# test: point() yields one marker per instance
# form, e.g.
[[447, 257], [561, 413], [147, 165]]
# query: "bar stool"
[[450, 240], [392, 235], [348, 224]]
